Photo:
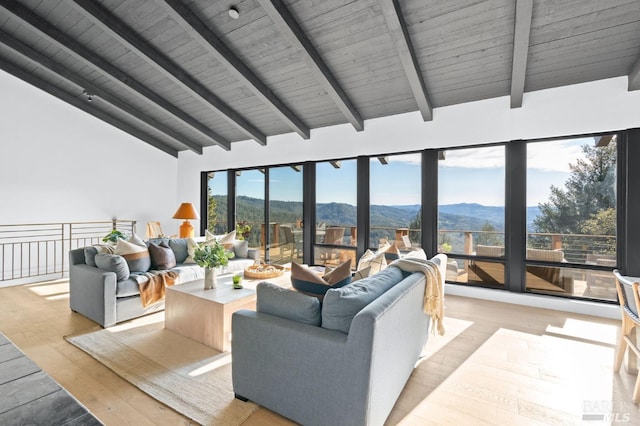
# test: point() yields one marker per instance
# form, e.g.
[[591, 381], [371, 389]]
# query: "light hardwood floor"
[[497, 364]]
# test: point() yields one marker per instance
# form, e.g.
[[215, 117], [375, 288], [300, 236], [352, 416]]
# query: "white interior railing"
[[38, 252]]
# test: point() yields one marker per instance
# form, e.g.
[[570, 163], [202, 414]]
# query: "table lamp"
[[186, 211]]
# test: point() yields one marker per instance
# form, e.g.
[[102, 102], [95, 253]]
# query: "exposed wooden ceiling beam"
[[89, 58], [398, 29], [219, 50], [524, 12], [63, 72], [129, 38], [634, 76], [81, 104], [290, 28]]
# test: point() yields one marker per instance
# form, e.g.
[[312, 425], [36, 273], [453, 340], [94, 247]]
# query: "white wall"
[[60, 164], [582, 108]]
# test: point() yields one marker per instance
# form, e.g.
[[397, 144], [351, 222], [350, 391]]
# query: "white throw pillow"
[[375, 260], [362, 273], [137, 257], [227, 240], [134, 239], [191, 250], [416, 254]]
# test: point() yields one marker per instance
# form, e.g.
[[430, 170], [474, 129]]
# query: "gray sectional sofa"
[[342, 362], [98, 294]]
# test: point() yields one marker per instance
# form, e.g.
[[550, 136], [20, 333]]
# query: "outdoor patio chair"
[[287, 243], [334, 235], [154, 230], [629, 302]]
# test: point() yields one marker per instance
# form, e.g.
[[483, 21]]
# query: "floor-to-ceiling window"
[[250, 206], [571, 216], [395, 199], [471, 213], [525, 216], [285, 214], [217, 202], [336, 212]]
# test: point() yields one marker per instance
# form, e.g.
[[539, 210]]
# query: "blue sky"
[[473, 175]]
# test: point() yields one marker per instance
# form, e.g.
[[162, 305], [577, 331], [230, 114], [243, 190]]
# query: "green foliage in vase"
[[114, 236], [212, 255]]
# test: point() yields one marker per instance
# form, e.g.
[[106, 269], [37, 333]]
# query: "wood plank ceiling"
[[183, 75]]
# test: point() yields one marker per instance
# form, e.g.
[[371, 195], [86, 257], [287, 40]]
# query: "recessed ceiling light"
[[233, 12]]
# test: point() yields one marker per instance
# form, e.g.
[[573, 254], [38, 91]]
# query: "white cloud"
[[552, 156], [475, 158], [555, 156]]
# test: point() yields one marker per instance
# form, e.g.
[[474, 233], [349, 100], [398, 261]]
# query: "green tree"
[[416, 223], [489, 236], [586, 206], [588, 191], [212, 218]]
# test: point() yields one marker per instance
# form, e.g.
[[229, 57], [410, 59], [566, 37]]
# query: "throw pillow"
[[392, 253], [289, 304], [134, 239], [227, 240], [307, 281], [416, 254], [91, 251], [162, 257], [362, 273], [137, 257], [376, 260], [339, 274], [241, 248], [180, 247], [191, 250], [113, 263]]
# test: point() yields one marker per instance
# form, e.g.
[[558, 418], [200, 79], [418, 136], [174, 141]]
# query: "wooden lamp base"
[[186, 230]]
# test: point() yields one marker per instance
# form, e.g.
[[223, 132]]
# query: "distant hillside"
[[462, 216]]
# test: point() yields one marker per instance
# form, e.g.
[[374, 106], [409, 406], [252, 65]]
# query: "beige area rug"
[[191, 378]]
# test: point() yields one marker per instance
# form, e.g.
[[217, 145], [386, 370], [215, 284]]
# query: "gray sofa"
[[332, 370], [97, 294]]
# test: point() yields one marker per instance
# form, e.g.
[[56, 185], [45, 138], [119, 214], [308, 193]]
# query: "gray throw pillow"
[[113, 263], [91, 251], [289, 304], [180, 248]]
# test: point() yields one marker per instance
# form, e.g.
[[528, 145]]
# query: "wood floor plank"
[[497, 364]]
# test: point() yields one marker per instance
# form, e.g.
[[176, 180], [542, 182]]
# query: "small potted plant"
[[211, 255], [114, 236], [243, 230]]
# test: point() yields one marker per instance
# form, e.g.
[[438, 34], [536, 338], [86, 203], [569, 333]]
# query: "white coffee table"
[[205, 315]]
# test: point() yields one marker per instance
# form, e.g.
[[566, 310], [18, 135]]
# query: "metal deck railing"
[[39, 252]]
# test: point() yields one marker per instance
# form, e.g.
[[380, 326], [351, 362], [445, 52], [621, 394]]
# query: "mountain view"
[[463, 216]]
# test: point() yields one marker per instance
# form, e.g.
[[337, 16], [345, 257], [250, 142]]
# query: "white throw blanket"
[[433, 304]]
